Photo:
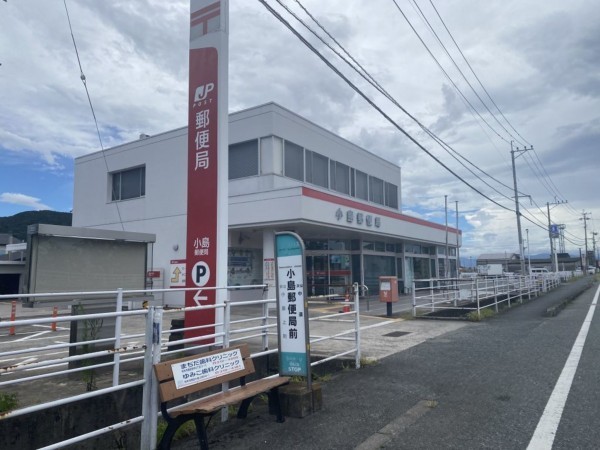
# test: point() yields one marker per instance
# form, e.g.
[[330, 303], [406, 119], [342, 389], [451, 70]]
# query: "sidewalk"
[[339, 420]]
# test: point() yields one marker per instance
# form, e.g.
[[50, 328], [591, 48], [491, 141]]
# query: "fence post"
[[357, 324], [496, 293], [150, 390], [226, 331], [117, 355], [414, 300], [226, 323], [430, 293], [265, 320], [13, 317]]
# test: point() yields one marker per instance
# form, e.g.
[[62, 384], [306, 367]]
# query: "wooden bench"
[[179, 378]]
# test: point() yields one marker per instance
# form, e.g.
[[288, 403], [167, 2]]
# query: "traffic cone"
[[347, 304]]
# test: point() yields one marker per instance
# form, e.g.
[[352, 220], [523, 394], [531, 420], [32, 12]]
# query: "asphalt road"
[[485, 385]]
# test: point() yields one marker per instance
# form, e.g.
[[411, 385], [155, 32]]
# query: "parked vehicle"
[[490, 269]]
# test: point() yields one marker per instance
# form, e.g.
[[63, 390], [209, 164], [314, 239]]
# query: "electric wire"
[[432, 30], [365, 74], [446, 74], [371, 80], [474, 74], [371, 102], [87, 92]]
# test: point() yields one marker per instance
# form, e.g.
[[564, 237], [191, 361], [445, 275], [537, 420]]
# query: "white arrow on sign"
[[199, 298]]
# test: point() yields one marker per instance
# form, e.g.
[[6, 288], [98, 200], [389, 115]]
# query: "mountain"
[[17, 224]]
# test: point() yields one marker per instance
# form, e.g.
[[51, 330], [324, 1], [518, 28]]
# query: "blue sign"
[[554, 231]]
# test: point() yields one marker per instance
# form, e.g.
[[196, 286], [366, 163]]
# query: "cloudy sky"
[[538, 60]]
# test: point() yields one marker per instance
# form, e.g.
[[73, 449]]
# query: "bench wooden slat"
[[212, 403], [209, 405], [168, 390]]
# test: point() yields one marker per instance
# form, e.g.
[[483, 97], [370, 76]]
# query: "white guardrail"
[[478, 293], [41, 348]]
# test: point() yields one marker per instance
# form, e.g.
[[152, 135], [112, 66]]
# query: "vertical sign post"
[[207, 196], [292, 307]]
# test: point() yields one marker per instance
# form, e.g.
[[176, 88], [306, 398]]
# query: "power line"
[[446, 73], [475, 75], [369, 101], [432, 30], [371, 80], [83, 80]]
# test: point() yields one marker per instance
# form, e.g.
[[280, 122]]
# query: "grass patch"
[[185, 430], [483, 314], [8, 402], [365, 362]]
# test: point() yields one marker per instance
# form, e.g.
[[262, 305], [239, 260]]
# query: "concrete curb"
[[554, 310]]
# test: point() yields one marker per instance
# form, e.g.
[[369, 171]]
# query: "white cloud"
[[23, 200], [539, 65]]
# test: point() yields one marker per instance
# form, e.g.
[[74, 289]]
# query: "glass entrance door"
[[317, 274]]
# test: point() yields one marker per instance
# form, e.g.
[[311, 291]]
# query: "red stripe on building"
[[313, 193]]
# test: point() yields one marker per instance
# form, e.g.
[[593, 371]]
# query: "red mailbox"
[[388, 289]]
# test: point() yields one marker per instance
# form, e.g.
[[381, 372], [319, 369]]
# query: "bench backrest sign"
[[292, 309], [207, 367]]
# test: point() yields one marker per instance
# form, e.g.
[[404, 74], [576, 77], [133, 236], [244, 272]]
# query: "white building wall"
[[257, 201]]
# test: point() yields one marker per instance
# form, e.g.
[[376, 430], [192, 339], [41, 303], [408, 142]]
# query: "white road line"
[[545, 432], [32, 336], [50, 326]]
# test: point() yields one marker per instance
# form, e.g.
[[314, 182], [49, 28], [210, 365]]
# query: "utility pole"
[[446, 261], [513, 157], [528, 252], [457, 244], [552, 234], [594, 234], [585, 218]]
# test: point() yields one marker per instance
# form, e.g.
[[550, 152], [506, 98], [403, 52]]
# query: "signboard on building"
[[177, 273], [292, 307], [206, 244]]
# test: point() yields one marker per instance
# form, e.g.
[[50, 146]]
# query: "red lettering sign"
[[201, 250]]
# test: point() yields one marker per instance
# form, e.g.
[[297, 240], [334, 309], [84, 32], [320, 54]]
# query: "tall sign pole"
[[207, 171], [553, 234]]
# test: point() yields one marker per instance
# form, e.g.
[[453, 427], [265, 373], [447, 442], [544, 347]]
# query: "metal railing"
[[459, 296], [96, 363]]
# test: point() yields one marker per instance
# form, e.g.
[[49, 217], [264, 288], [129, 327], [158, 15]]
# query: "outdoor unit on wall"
[[63, 259]]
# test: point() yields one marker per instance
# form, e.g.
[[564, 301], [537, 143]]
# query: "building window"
[[130, 183], [340, 177], [376, 190], [294, 161], [362, 187], [391, 195], [243, 159], [317, 169]]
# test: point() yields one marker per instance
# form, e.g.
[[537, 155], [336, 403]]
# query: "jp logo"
[[202, 92]]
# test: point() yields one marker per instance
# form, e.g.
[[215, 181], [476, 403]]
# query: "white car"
[[591, 270]]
